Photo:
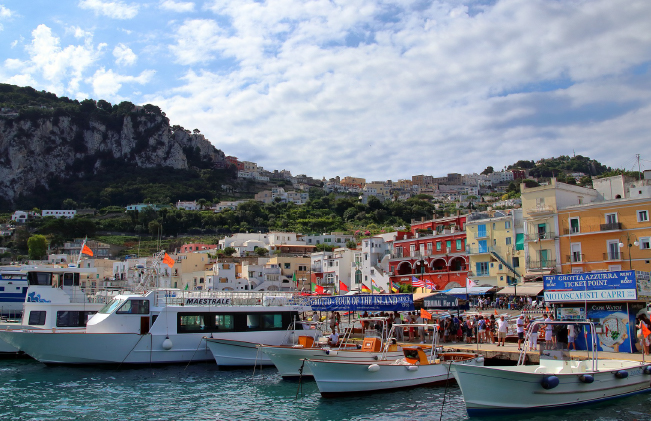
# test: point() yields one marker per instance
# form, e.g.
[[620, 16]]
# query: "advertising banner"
[[643, 285], [379, 302], [613, 325], [443, 302], [596, 286]]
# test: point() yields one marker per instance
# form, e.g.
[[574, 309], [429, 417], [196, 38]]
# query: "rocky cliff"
[[43, 144]]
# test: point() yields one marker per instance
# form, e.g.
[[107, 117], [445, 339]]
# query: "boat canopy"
[[462, 292]]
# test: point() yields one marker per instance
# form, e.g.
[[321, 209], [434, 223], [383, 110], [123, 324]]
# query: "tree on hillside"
[[488, 170], [229, 251], [37, 246]]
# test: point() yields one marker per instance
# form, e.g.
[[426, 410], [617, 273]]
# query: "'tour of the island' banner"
[[378, 302]]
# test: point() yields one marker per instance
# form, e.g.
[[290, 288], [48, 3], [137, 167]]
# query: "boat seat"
[[306, 341]]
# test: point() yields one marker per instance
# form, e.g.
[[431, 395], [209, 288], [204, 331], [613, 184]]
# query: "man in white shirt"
[[501, 330], [520, 328], [333, 339], [548, 331]]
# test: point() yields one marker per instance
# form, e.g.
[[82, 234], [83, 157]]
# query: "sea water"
[[32, 391]]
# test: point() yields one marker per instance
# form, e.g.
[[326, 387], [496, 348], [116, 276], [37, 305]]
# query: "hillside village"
[[557, 228]]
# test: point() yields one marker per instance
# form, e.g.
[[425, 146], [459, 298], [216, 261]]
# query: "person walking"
[[502, 325], [571, 334], [533, 337], [520, 329], [548, 330], [643, 322]]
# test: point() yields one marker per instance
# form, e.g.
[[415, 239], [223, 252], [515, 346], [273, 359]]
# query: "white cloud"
[[124, 56], [197, 41], [106, 83], [347, 86], [111, 9], [177, 6], [5, 13]]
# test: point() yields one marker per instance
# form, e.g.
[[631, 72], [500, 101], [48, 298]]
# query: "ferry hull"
[[491, 390], [337, 378]]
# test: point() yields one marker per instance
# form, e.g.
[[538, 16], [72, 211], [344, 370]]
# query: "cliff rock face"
[[33, 150]]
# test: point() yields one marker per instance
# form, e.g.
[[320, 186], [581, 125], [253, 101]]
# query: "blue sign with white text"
[[621, 279], [388, 302]]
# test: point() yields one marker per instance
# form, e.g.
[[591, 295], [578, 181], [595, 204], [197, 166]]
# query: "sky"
[[382, 89]]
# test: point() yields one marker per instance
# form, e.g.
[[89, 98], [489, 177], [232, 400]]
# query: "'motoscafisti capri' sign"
[[595, 286]]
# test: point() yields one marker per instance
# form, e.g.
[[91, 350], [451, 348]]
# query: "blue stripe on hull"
[[476, 412]]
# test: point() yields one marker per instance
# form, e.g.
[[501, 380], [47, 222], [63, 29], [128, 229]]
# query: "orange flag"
[[425, 314], [86, 250], [645, 331], [495, 312], [547, 309], [168, 260]]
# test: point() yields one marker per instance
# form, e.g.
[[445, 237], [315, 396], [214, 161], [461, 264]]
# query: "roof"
[[462, 292], [422, 295]]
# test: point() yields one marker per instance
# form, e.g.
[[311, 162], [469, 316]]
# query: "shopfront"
[[611, 300]]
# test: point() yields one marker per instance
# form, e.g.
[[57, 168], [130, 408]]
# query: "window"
[[73, 318], [644, 243], [507, 225], [111, 306], [574, 226], [508, 241], [643, 216], [288, 265], [134, 307], [358, 277], [575, 248], [611, 218], [516, 262], [37, 318], [191, 323], [459, 245], [448, 246], [481, 231], [613, 250], [481, 268], [438, 246], [482, 246]]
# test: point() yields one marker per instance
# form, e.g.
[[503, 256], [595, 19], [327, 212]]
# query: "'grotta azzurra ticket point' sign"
[[596, 286]]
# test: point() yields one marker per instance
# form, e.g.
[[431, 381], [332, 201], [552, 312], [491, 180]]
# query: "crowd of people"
[[508, 303]]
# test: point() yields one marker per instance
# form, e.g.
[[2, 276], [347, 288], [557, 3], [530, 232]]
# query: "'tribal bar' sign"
[[596, 286]]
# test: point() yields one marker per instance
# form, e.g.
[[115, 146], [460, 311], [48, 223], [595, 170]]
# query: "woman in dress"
[[643, 321]]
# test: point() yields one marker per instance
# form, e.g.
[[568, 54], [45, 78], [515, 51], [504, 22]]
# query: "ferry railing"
[[229, 298], [542, 323]]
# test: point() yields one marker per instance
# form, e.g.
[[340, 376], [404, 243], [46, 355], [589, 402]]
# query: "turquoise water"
[[31, 391]]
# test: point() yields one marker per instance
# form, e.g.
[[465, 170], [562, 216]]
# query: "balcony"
[[541, 264], [575, 258], [613, 255], [478, 250], [540, 210], [573, 230], [611, 226], [533, 236]]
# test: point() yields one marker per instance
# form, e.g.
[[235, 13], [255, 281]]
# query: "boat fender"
[[647, 369], [373, 368], [331, 352], [167, 344], [549, 382], [412, 368], [621, 374], [376, 358], [359, 346], [586, 378]]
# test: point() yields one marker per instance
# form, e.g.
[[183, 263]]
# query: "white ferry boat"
[[163, 326], [53, 301], [13, 290]]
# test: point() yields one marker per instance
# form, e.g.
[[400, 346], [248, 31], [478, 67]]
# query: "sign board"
[[643, 285], [443, 302], [594, 286], [379, 302]]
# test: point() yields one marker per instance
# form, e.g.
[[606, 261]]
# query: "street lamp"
[[628, 242]]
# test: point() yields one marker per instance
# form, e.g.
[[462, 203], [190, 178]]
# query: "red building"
[[234, 161], [433, 250], [519, 174], [189, 248]]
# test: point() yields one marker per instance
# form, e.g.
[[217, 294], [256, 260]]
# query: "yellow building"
[[353, 182], [293, 264], [610, 235], [185, 264], [496, 256], [540, 207]]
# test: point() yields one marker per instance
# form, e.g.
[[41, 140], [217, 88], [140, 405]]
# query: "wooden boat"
[[415, 368]]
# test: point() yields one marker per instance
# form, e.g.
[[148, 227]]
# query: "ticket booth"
[[611, 300]]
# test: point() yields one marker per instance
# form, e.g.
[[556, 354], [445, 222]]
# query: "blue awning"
[[376, 302]]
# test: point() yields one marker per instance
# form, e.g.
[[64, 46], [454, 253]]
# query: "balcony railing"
[[613, 255], [540, 209], [573, 230], [576, 258], [611, 226], [541, 264], [533, 236]]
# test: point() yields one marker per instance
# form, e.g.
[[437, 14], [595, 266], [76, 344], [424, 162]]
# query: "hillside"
[[53, 148]]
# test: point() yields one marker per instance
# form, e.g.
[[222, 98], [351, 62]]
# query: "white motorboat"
[[53, 301], [558, 381], [163, 326], [415, 368], [289, 359]]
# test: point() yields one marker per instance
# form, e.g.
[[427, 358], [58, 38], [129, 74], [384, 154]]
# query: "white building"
[[191, 206], [59, 213]]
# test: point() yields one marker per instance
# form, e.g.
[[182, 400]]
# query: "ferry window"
[[37, 318], [272, 321], [223, 322], [191, 323], [134, 307], [253, 321], [39, 278], [111, 306], [73, 318], [71, 279]]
